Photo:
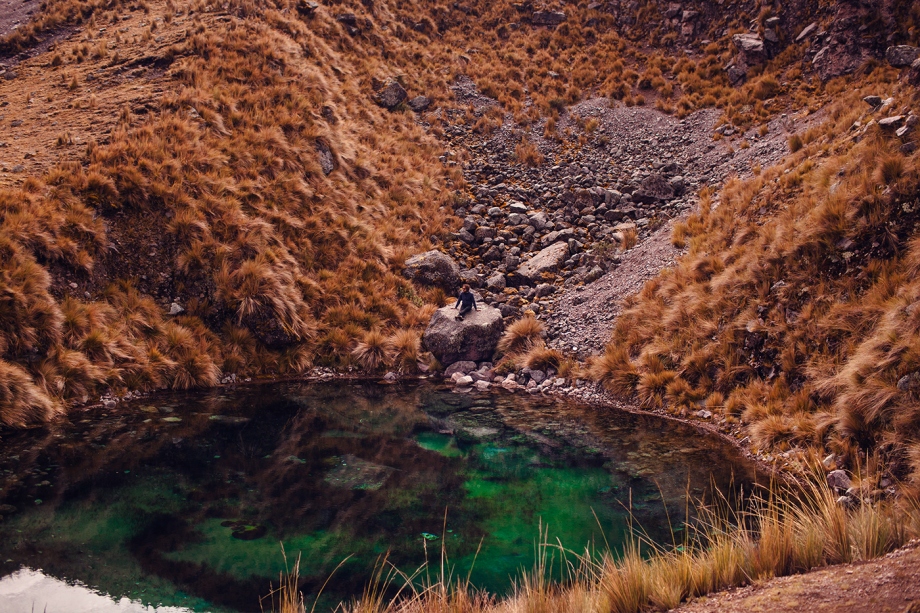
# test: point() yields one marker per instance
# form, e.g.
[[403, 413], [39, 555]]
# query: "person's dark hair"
[[466, 287]]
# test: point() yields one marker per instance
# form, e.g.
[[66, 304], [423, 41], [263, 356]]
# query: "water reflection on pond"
[[181, 500]]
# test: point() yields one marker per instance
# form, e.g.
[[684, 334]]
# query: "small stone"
[[838, 479], [420, 103], [806, 31], [307, 8], [175, 309], [496, 282], [463, 367], [547, 18], [873, 101], [845, 501], [481, 386], [464, 381], [891, 123]]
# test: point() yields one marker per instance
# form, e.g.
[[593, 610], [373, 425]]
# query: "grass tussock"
[[521, 336]]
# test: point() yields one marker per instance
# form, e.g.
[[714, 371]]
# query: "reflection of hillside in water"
[[182, 499]]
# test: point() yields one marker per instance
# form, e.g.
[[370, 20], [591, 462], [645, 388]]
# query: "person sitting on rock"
[[466, 301]]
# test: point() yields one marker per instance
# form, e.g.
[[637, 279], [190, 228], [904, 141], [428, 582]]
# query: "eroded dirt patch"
[[887, 585]]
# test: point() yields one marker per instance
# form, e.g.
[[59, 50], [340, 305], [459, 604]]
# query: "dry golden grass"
[[521, 336], [214, 166], [776, 532], [799, 321], [541, 357], [277, 264], [528, 154]]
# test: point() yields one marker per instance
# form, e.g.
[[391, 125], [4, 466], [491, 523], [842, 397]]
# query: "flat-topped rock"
[[472, 340], [546, 260]]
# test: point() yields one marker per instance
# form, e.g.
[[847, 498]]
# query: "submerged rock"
[[354, 473], [245, 531], [473, 339]]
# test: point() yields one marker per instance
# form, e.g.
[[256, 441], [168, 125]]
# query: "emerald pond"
[[181, 502]]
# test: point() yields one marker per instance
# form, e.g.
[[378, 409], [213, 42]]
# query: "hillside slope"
[[196, 192]]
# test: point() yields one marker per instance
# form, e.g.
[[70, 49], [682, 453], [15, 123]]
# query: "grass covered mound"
[[794, 311], [218, 200]]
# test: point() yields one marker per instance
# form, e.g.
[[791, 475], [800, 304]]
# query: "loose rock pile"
[[531, 235]]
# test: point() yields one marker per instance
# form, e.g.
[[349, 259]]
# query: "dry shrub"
[[527, 153], [615, 370], [405, 346], [541, 357], [373, 351], [630, 238], [521, 336], [21, 401]]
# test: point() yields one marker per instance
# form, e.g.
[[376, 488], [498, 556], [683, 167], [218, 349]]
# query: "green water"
[[185, 500]]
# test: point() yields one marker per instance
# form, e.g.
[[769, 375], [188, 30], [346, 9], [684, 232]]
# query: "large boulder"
[[433, 268], [654, 189], [391, 96], [547, 18], [473, 340], [900, 56], [750, 52], [750, 49], [546, 260]]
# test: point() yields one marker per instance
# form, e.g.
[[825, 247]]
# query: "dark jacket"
[[466, 299]]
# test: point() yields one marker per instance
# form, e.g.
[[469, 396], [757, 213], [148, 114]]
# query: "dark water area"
[[181, 502]]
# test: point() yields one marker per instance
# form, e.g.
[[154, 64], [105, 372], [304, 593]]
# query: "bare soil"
[[887, 585], [585, 315], [15, 13], [49, 114]]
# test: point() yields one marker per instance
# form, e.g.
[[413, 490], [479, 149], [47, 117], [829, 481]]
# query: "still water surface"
[[181, 502]]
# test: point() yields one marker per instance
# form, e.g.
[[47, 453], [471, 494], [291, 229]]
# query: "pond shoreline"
[[591, 394]]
